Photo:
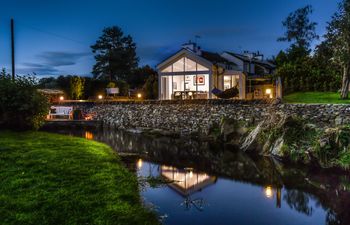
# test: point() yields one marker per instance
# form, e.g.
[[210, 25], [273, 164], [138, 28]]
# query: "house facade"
[[192, 73]]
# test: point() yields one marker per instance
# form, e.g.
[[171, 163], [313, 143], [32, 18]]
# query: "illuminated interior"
[[186, 181], [184, 79], [231, 81]]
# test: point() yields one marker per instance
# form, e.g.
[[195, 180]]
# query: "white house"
[[192, 73]]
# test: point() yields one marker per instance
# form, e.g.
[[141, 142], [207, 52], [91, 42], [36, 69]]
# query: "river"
[[216, 184]]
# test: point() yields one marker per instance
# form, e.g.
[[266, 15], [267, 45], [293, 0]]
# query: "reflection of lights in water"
[[139, 163], [89, 135], [268, 192]]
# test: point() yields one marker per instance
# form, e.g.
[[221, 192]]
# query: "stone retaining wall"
[[198, 117]]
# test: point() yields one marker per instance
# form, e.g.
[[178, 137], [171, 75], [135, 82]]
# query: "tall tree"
[[338, 33], [300, 31], [76, 87], [115, 55]]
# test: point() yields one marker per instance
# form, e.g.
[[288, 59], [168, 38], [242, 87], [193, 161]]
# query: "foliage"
[[150, 88], [338, 35], [123, 87], [76, 87], [315, 97], [21, 105], [55, 179], [299, 29], [115, 55], [3, 73], [111, 85], [334, 147], [299, 70], [139, 76]]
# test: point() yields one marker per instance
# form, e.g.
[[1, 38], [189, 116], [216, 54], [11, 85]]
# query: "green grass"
[[315, 97], [55, 179]]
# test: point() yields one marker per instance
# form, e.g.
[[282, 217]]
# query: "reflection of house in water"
[[186, 182]]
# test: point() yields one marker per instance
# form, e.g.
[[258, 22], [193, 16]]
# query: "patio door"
[[164, 88]]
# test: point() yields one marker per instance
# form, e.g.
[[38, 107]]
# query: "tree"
[[115, 55], [3, 73], [293, 66], [21, 105], [150, 88], [338, 34], [76, 87], [299, 29], [138, 78]]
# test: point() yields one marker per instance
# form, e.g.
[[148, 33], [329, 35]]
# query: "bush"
[[22, 107]]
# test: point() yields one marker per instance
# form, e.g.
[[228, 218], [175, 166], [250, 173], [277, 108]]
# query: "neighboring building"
[[192, 73]]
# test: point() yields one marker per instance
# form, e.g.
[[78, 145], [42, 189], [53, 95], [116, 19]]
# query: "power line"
[[52, 34]]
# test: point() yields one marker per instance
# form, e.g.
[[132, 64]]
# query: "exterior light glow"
[[100, 97], [268, 91], [61, 98], [268, 192], [139, 163], [89, 135], [139, 95], [190, 93]]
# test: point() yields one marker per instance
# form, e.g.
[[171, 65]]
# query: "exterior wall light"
[[268, 91], [139, 95], [190, 93], [268, 192], [100, 97], [61, 98]]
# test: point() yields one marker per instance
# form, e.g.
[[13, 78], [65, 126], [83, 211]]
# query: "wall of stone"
[[197, 117]]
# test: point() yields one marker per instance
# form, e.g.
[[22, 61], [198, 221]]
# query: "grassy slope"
[[53, 179], [315, 97]]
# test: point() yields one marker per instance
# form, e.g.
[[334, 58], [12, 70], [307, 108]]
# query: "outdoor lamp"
[[100, 97], [268, 192], [61, 98], [268, 91], [139, 95], [190, 93]]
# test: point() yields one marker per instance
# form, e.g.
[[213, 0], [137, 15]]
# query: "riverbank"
[[262, 127], [55, 179]]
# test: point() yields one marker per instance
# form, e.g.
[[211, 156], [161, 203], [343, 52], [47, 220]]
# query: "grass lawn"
[[55, 179], [315, 97]]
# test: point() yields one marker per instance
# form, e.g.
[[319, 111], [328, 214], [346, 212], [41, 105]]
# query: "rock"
[[338, 121], [251, 141], [276, 148]]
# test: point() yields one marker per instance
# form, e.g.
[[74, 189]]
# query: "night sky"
[[54, 37]]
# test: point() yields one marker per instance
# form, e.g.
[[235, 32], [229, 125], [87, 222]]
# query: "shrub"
[[22, 107]]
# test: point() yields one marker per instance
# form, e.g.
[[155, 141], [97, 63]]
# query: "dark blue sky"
[[54, 37]]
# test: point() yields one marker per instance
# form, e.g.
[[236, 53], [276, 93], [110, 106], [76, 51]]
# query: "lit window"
[[201, 68], [179, 66], [190, 65], [167, 70]]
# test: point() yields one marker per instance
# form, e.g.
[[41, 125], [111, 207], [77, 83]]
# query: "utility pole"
[[13, 49]]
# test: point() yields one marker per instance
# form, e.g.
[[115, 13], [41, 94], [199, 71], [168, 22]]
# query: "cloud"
[[61, 58], [50, 63], [40, 69]]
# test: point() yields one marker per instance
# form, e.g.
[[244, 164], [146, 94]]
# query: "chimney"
[[192, 47], [258, 56]]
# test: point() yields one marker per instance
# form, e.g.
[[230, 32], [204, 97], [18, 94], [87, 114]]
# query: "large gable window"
[[185, 65]]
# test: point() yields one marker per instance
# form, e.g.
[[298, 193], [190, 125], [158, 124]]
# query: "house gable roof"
[[215, 58], [247, 59], [184, 53]]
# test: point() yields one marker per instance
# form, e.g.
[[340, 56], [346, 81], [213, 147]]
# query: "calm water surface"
[[214, 184]]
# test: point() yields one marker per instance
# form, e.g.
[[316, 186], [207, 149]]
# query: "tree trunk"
[[345, 84]]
